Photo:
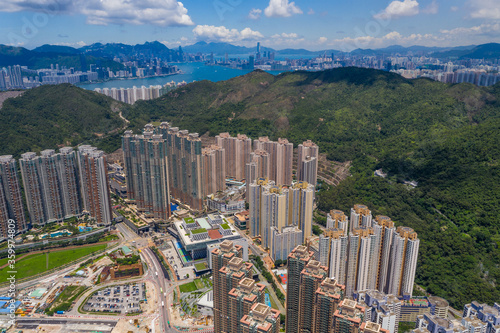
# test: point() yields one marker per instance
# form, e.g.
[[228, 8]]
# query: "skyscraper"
[[361, 216], [261, 319], [67, 168], [280, 157], [241, 300], [146, 167], [284, 162], [301, 206], [307, 162], [94, 184], [51, 190], [349, 317], [15, 76], [228, 278], [214, 169], [382, 309], [284, 241], [185, 165], [3, 81], [254, 199], [337, 219], [51, 185], [403, 262], [32, 182], [11, 203], [328, 298], [238, 151], [250, 177], [220, 257], [320, 246], [362, 259], [387, 232], [276, 206], [310, 280], [371, 327], [373, 255], [259, 167], [338, 255], [273, 212], [297, 261]]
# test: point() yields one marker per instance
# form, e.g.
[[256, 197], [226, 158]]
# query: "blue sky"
[[310, 24]]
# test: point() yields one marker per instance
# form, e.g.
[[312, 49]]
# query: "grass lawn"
[[37, 263], [108, 238], [3, 261], [273, 303], [66, 299], [199, 284], [188, 287], [200, 266]]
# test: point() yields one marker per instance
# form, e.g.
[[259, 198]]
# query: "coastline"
[[129, 78]]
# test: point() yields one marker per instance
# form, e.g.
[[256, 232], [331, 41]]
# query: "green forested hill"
[[49, 116], [446, 137]]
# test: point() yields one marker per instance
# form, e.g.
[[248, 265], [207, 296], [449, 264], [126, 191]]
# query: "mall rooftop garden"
[[225, 226], [198, 231], [189, 220]]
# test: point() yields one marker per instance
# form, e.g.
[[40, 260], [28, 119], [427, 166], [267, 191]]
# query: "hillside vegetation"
[[445, 137], [50, 116]]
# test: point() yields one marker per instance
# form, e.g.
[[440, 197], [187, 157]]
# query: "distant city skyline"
[[314, 25]]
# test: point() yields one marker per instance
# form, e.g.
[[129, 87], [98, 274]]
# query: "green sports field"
[[37, 263]]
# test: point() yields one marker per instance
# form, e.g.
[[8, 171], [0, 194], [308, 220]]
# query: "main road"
[[156, 274]]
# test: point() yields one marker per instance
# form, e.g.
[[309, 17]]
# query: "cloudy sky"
[[311, 24]]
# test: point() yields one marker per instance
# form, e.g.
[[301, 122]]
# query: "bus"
[[161, 289]]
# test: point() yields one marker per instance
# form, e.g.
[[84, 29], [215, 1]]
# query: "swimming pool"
[[268, 300]]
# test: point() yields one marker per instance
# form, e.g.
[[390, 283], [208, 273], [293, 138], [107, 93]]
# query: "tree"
[[317, 230]]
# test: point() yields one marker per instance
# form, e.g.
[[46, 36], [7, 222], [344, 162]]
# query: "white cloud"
[[453, 8], [175, 43], [483, 29], [137, 12], [76, 45], [311, 11], [398, 9], [281, 8], [48, 6], [432, 8], [393, 37], [162, 13], [255, 14], [483, 33], [485, 9], [223, 34], [322, 40], [285, 35]]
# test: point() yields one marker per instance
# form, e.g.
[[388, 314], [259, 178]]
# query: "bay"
[[192, 71]]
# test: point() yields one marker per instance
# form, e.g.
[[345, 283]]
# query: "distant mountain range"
[[46, 55], [99, 53], [484, 51]]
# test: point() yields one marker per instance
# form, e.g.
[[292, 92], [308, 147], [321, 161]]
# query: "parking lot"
[[117, 299], [173, 258]]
